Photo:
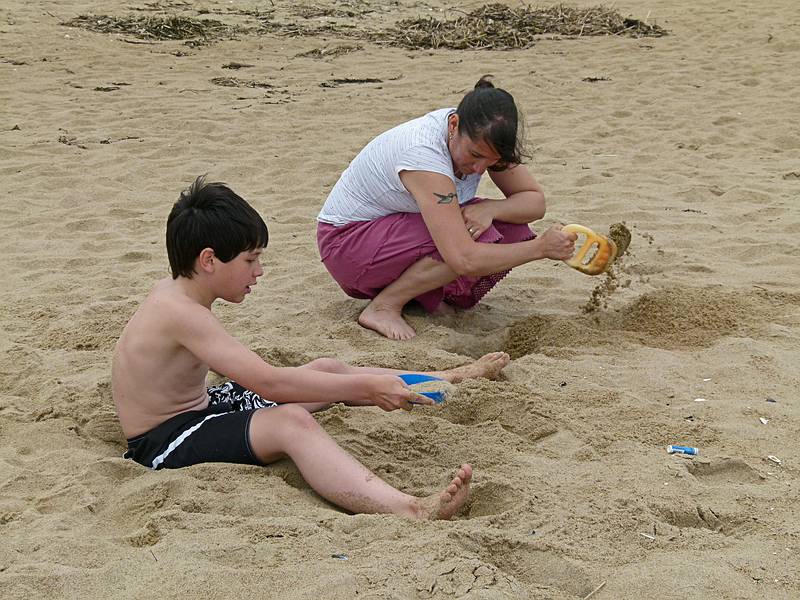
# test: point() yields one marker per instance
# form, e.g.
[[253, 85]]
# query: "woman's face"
[[468, 155]]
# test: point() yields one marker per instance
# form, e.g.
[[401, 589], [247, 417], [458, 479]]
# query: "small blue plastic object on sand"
[[414, 378], [672, 449]]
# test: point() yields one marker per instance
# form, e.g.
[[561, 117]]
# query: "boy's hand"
[[389, 392], [557, 244]]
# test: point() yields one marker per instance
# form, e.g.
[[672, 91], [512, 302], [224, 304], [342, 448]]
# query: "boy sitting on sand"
[[214, 242]]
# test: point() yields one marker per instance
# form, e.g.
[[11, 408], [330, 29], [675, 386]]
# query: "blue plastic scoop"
[[414, 378]]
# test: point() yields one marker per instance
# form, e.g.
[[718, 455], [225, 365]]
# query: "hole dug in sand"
[[669, 318], [699, 517], [725, 472], [493, 498]]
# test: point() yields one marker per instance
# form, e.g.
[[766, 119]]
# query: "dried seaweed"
[[499, 27], [336, 82], [331, 52], [236, 66], [315, 12], [489, 27], [169, 27], [236, 82]]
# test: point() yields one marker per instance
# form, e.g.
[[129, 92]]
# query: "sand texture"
[[692, 140]]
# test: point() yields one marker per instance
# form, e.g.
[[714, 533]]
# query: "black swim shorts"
[[219, 433]]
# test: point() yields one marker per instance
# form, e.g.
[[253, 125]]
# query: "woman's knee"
[[514, 232]]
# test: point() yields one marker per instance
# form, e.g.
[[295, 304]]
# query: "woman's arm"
[[436, 196], [523, 201]]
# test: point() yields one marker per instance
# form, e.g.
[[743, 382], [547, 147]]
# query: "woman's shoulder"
[[429, 128], [439, 115]]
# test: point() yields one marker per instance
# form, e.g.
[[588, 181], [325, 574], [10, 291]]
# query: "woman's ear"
[[452, 125], [205, 260]]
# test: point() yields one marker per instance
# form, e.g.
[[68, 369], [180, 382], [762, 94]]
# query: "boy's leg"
[[338, 477]]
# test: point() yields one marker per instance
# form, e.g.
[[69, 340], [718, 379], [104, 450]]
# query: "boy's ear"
[[205, 261]]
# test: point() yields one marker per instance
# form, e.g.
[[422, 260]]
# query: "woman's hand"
[[478, 217], [557, 244]]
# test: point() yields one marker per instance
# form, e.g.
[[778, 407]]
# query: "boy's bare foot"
[[449, 501], [387, 321], [487, 366]]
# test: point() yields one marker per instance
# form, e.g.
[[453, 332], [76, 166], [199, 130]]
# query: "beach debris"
[[771, 400], [594, 591], [647, 535], [707, 379], [489, 27], [775, 459], [688, 450], [331, 52], [336, 82], [236, 66], [699, 399], [236, 82], [499, 27], [595, 79], [170, 27], [317, 12], [70, 140], [763, 420], [340, 556]]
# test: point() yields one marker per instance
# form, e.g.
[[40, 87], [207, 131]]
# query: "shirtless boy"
[[214, 242]]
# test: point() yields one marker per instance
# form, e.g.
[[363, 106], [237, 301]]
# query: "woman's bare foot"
[[387, 321], [449, 501], [487, 366]]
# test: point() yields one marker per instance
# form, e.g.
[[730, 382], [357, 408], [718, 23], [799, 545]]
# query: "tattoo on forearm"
[[446, 199]]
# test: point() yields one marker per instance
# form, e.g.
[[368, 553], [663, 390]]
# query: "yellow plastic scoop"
[[596, 253]]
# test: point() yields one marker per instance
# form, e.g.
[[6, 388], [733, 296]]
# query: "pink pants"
[[366, 256]]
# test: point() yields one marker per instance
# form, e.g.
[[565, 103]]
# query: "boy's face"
[[238, 276]]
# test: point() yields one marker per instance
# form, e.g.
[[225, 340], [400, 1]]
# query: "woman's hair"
[[211, 215], [488, 113]]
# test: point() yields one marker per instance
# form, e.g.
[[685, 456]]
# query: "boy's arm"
[[199, 331]]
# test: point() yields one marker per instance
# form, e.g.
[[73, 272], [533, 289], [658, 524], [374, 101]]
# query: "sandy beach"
[[692, 140]]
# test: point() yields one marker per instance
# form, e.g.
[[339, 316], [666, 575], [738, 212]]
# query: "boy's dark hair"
[[211, 215], [488, 113]]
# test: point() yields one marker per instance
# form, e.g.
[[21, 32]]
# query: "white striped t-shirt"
[[370, 187]]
